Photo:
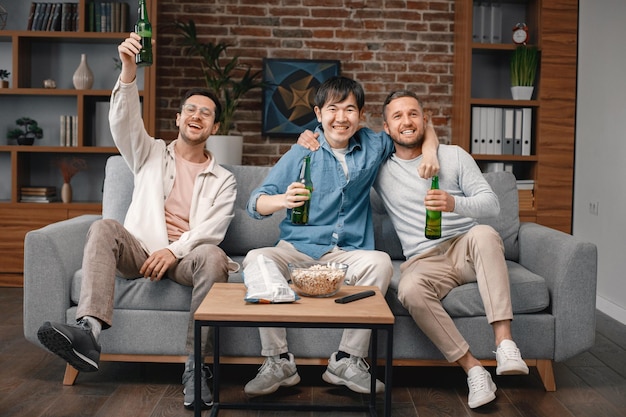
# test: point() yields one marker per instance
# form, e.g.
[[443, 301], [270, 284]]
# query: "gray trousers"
[[111, 250], [366, 267]]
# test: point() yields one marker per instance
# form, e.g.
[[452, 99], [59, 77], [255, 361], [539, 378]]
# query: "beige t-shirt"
[[178, 203]]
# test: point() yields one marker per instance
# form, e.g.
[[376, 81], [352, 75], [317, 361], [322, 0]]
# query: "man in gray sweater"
[[466, 251]]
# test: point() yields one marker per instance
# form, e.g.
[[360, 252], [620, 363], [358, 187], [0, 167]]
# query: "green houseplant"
[[524, 61], [226, 76], [4, 78], [28, 133]]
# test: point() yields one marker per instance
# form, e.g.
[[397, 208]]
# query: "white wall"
[[600, 169]]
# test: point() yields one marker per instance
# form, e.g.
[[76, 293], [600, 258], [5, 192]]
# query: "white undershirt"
[[340, 154]]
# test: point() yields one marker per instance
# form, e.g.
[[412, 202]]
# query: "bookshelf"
[[33, 56], [482, 80]]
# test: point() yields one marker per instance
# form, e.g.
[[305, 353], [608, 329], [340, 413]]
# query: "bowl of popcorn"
[[316, 279]]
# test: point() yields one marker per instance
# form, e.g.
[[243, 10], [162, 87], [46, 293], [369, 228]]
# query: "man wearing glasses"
[[182, 204]]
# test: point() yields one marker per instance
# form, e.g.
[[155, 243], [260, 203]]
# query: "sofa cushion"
[[529, 294], [507, 221], [244, 232], [117, 191]]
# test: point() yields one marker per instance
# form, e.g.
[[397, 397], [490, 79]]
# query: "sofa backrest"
[[246, 233]]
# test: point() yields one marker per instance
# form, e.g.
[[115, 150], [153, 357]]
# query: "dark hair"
[[399, 94], [337, 89], [207, 93]]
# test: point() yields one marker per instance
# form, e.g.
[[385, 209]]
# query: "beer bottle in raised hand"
[[300, 215], [433, 218], [144, 29]]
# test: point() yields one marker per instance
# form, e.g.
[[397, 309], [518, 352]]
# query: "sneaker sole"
[[482, 401], [205, 406], [336, 380], [57, 343], [511, 371], [289, 382]]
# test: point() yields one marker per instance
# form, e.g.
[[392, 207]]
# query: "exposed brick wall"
[[384, 44]]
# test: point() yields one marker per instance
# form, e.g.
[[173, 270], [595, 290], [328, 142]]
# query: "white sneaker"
[[509, 359], [353, 372], [482, 390], [274, 373]]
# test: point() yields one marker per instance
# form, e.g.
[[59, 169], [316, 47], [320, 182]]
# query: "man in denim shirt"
[[339, 229]]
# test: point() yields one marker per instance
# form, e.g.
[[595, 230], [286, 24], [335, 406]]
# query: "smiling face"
[[404, 122], [196, 120], [340, 120]]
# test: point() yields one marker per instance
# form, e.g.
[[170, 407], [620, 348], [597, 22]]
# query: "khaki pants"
[[476, 256], [366, 267], [111, 249]]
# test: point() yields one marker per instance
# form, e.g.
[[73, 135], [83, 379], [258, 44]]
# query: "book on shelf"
[[49, 16], [487, 22], [38, 194], [68, 131], [107, 16], [501, 131], [38, 190]]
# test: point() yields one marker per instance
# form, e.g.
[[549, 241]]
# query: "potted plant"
[[4, 78], [524, 62], [28, 133], [229, 79]]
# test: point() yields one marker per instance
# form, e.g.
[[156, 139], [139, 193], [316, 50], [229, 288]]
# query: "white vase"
[[522, 92], [83, 77], [226, 149]]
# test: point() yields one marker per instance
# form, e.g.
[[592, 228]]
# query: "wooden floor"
[[592, 384]]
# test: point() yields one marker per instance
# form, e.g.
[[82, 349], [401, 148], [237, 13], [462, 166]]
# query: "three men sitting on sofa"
[[174, 235]]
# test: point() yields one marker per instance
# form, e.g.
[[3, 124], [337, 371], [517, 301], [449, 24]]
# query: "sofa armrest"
[[569, 266], [52, 254]]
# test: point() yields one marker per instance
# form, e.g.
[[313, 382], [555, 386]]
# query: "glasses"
[[191, 109]]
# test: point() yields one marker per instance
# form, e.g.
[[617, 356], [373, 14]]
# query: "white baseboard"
[[611, 309]]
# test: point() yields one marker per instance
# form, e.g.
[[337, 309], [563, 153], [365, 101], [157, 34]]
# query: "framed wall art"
[[290, 86]]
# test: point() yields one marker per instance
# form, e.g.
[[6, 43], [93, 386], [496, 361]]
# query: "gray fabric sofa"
[[553, 286]]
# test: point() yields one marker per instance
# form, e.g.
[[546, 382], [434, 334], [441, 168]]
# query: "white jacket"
[[152, 162]]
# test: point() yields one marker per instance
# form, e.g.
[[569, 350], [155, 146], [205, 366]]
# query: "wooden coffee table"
[[224, 306]]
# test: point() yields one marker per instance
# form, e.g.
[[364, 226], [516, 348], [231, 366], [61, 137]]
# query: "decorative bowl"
[[317, 279]]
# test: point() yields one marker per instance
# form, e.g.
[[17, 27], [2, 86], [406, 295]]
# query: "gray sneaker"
[[75, 343], [353, 372], [189, 390], [274, 373]]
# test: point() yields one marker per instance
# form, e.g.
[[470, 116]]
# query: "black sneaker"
[[74, 343]]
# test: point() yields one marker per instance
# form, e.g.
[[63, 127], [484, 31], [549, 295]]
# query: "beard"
[[411, 142]]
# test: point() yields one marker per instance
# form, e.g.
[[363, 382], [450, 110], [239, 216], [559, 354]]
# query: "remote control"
[[354, 297]]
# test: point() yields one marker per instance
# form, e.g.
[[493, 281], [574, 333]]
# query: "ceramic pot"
[[83, 77], [4, 84], [66, 192], [522, 93], [25, 140]]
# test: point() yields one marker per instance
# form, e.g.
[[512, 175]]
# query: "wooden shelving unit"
[[481, 74], [32, 56]]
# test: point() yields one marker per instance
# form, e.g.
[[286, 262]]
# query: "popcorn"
[[320, 280]]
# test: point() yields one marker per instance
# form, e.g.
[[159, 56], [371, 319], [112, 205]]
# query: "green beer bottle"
[[144, 29], [300, 215], [433, 218]]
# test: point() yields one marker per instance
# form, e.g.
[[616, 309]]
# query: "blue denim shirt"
[[340, 213]]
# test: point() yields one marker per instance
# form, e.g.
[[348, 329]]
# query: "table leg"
[[197, 369], [388, 371], [373, 369]]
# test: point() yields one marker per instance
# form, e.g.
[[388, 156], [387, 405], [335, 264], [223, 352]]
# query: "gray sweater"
[[403, 190]]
